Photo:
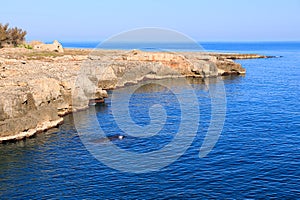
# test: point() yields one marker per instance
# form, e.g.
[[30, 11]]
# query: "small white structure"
[[55, 46]]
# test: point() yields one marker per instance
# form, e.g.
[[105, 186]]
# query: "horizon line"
[[198, 41]]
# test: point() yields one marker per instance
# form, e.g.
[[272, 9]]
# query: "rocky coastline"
[[37, 87]]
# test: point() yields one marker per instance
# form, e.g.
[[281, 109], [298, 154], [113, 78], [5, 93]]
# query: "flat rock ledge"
[[31, 132], [37, 88]]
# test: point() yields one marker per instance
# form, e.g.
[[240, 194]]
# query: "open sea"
[[257, 155]]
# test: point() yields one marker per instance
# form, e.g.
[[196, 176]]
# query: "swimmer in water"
[[110, 138]]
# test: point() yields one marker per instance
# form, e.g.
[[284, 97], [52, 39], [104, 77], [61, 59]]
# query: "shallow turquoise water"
[[256, 156]]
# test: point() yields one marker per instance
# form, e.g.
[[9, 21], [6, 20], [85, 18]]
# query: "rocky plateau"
[[38, 87]]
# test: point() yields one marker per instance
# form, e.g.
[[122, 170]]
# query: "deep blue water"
[[190, 46], [257, 155]]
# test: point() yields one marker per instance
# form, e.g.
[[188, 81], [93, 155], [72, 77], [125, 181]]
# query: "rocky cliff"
[[36, 88]]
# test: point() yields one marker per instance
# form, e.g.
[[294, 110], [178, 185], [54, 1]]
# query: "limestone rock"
[[44, 90], [34, 95]]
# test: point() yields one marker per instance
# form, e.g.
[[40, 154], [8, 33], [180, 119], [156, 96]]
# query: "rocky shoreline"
[[37, 88]]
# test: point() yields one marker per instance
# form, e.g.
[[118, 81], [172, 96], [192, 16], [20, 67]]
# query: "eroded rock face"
[[34, 94], [228, 67], [117, 70]]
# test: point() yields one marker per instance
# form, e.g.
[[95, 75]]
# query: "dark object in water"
[[110, 138]]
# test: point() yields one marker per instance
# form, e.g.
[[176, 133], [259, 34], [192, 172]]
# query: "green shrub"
[[26, 46]]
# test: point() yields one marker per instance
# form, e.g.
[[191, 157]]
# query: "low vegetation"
[[11, 36], [26, 46]]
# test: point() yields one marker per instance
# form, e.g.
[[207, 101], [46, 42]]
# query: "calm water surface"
[[257, 155]]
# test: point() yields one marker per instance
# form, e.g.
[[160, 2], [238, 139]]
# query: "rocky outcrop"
[[36, 93], [236, 56], [121, 68], [55, 46]]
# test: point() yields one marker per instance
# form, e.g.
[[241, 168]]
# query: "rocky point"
[[39, 86]]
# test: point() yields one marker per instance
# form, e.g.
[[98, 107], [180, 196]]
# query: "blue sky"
[[203, 20]]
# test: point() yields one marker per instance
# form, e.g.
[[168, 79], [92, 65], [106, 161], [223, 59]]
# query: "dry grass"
[[31, 54], [41, 55], [74, 52]]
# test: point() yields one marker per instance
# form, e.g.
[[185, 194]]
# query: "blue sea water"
[[256, 157], [250, 47]]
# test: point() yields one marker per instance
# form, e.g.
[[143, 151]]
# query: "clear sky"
[[203, 20]]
